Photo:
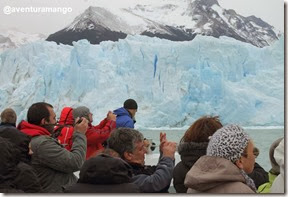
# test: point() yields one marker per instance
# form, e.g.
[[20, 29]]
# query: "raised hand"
[[169, 149], [111, 116], [81, 125]]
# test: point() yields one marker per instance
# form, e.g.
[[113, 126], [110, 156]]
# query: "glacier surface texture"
[[174, 83]]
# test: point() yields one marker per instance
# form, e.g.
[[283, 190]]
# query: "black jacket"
[[18, 138], [104, 174], [8, 167], [190, 152], [259, 175], [25, 177]]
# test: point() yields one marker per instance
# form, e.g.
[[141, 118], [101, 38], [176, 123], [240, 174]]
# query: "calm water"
[[262, 138]]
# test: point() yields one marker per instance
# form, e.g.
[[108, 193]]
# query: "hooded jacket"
[[123, 118], [189, 152], [104, 174], [15, 175], [279, 154], [215, 175], [95, 135], [64, 131], [8, 167], [18, 138], [54, 164]]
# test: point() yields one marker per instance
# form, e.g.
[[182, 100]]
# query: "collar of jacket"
[[33, 130]]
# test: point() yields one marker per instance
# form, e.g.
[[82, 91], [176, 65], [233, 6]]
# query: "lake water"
[[262, 137]]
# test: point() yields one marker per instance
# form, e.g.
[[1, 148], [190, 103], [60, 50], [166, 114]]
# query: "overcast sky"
[[271, 11]]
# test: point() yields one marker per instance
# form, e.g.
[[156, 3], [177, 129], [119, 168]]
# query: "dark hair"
[[123, 140], [130, 104], [201, 129], [37, 112]]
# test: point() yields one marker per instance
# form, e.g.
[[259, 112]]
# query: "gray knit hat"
[[81, 111], [228, 142]]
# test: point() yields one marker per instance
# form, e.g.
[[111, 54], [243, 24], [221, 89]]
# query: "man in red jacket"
[[96, 135]]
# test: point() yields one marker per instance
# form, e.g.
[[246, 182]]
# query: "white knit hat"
[[228, 142]]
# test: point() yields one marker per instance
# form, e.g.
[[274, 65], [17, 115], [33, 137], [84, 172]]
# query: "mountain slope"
[[173, 20]]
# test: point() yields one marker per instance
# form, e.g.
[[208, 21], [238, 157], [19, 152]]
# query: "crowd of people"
[[41, 155]]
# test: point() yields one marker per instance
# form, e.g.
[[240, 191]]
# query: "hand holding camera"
[[81, 125]]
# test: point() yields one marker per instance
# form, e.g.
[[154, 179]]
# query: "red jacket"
[[66, 124], [96, 135], [31, 129]]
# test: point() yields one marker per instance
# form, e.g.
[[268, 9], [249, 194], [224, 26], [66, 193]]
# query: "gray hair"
[[123, 140]]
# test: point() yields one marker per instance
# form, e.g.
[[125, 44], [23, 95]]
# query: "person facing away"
[[65, 127], [192, 146], [125, 116], [26, 178], [8, 117], [225, 166], [274, 171], [53, 163], [104, 174], [8, 167], [98, 134], [130, 146], [279, 182]]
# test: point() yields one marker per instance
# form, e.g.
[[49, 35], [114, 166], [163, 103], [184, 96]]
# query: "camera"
[[79, 121]]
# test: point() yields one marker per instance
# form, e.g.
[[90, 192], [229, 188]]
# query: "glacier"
[[174, 83]]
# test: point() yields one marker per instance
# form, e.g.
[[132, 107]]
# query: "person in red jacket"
[[65, 127], [96, 135]]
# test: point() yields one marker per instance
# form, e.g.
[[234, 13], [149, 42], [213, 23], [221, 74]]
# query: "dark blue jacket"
[[123, 118]]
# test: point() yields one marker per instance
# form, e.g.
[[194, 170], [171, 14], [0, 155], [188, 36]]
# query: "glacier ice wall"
[[174, 83]]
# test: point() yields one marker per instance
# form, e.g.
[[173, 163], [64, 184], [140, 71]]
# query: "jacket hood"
[[279, 156], [190, 152], [66, 116], [32, 130], [18, 138], [121, 111], [209, 172], [104, 169]]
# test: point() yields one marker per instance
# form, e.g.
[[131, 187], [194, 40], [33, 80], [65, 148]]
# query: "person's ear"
[[127, 156], [239, 163], [43, 121]]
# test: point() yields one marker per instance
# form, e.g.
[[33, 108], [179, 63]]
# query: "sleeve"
[[159, 180], [101, 132], [53, 155], [105, 126]]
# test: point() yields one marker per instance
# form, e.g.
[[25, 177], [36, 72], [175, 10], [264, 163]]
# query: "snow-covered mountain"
[[13, 38], [173, 20]]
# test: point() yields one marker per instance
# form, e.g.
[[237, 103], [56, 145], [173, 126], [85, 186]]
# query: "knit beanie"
[[228, 142], [81, 111], [130, 104], [275, 167]]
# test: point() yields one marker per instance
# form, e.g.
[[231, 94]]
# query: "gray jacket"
[[159, 180], [215, 175], [54, 164]]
